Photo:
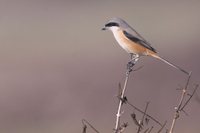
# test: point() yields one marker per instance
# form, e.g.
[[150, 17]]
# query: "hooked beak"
[[104, 28]]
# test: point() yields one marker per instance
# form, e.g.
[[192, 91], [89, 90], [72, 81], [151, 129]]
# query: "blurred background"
[[57, 66]]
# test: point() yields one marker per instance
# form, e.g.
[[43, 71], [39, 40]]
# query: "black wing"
[[139, 41]]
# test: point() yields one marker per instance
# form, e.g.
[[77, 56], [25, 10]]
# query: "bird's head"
[[114, 24]]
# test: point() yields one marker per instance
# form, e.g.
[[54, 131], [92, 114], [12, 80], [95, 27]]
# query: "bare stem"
[[159, 131], [149, 116], [179, 107], [120, 103], [196, 87], [85, 127], [150, 129], [141, 123], [118, 115]]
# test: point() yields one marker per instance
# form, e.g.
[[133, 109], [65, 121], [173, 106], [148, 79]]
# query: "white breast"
[[118, 37]]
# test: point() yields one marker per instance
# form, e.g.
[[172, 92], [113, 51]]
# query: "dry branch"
[[144, 114], [159, 131], [150, 129], [85, 123], [122, 97], [181, 105], [139, 110], [117, 124], [133, 116]]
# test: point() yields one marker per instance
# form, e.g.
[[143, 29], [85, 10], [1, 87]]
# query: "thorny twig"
[[140, 123], [144, 114], [190, 96], [139, 110], [181, 106], [117, 124], [84, 128], [146, 130], [133, 116], [125, 100], [90, 125], [159, 131], [150, 129], [128, 71], [122, 127]]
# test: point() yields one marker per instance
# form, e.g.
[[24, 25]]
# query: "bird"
[[133, 43]]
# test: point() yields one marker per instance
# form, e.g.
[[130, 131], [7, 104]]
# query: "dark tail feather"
[[169, 63]]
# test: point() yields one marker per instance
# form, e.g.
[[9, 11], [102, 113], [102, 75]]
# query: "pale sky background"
[[57, 66]]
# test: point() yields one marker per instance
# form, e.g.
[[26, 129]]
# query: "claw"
[[130, 65]]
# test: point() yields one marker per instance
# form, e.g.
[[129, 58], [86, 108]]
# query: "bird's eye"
[[112, 24]]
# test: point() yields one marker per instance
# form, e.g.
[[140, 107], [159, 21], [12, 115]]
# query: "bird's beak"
[[104, 28]]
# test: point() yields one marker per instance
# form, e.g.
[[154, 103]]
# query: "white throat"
[[119, 39], [114, 29]]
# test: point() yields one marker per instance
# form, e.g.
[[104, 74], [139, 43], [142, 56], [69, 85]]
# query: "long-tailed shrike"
[[133, 42]]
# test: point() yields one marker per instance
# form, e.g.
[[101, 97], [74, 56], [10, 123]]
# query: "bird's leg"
[[132, 55], [134, 58], [131, 63]]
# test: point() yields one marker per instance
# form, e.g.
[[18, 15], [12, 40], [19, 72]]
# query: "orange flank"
[[130, 46]]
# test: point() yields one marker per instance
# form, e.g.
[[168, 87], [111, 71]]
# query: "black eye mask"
[[112, 24]]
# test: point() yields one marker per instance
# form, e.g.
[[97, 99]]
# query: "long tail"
[[169, 63]]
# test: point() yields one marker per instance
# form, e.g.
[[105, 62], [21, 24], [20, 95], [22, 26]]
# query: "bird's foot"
[[130, 66]]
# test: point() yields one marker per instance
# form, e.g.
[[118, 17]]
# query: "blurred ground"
[[58, 67]]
